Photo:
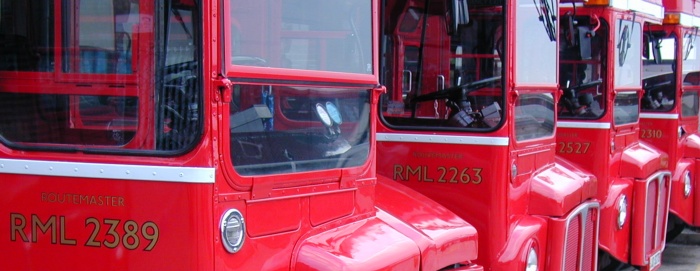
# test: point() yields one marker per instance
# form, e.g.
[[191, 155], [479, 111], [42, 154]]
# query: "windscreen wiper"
[[545, 9]]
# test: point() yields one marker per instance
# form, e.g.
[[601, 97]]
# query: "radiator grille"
[[580, 250], [656, 210], [573, 243]]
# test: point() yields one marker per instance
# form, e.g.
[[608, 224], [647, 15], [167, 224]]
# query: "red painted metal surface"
[[611, 148], [675, 129], [80, 201], [511, 187]]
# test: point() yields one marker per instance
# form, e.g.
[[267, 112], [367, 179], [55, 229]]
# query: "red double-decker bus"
[[203, 135], [598, 126], [469, 120], [669, 118]]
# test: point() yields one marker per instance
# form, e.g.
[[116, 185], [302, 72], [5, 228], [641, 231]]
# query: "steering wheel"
[[457, 99], [457, 93], [572, 101]]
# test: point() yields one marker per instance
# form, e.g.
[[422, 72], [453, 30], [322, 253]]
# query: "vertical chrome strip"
[[583, 210]]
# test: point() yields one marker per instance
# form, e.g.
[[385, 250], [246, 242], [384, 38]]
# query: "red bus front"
[[669, 118], [598, 125], [469, 120]]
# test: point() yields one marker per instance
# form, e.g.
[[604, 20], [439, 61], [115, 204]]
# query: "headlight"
[[687, 184], [232, 230], [531, 260], [621, 211]]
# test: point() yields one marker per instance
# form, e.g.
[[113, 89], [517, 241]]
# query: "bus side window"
[[104, 36]]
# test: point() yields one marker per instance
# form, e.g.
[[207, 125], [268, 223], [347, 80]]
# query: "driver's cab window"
[[291, 109], [97, 75], [440, 78], [659, 73], [582, 67], [313, 35], [691, 73], [289, 129]]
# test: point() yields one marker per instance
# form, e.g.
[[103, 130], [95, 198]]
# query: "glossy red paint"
[[60, 213], [53, 224], [551, 196], [624, 165], [679, 128], [434, 228], [641, 160], [510, 186], [612, 237]]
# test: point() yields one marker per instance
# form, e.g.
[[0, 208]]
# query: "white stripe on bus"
[[108, 171], [443, 139]]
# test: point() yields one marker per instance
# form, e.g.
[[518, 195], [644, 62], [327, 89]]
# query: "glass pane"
[[109, 105], [626, 108], [283, 129], [581, 72], [536, 61], [322, 35], [659, 82], [628, 54], [458, 82], [68, 119], [659, 92], [26, 35], [691, 59], [689, 104], [534, 116], [101, 40], [691, 51]]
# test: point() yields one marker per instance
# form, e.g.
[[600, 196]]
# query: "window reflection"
[[323, 35], [276, 129]]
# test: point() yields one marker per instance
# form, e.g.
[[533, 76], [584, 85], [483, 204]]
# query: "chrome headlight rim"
[[531, 263], [621, 211], [232, 225]]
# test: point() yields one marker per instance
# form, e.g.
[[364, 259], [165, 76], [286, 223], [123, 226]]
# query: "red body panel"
[[513, 190], [674, 131], [55, 222]]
